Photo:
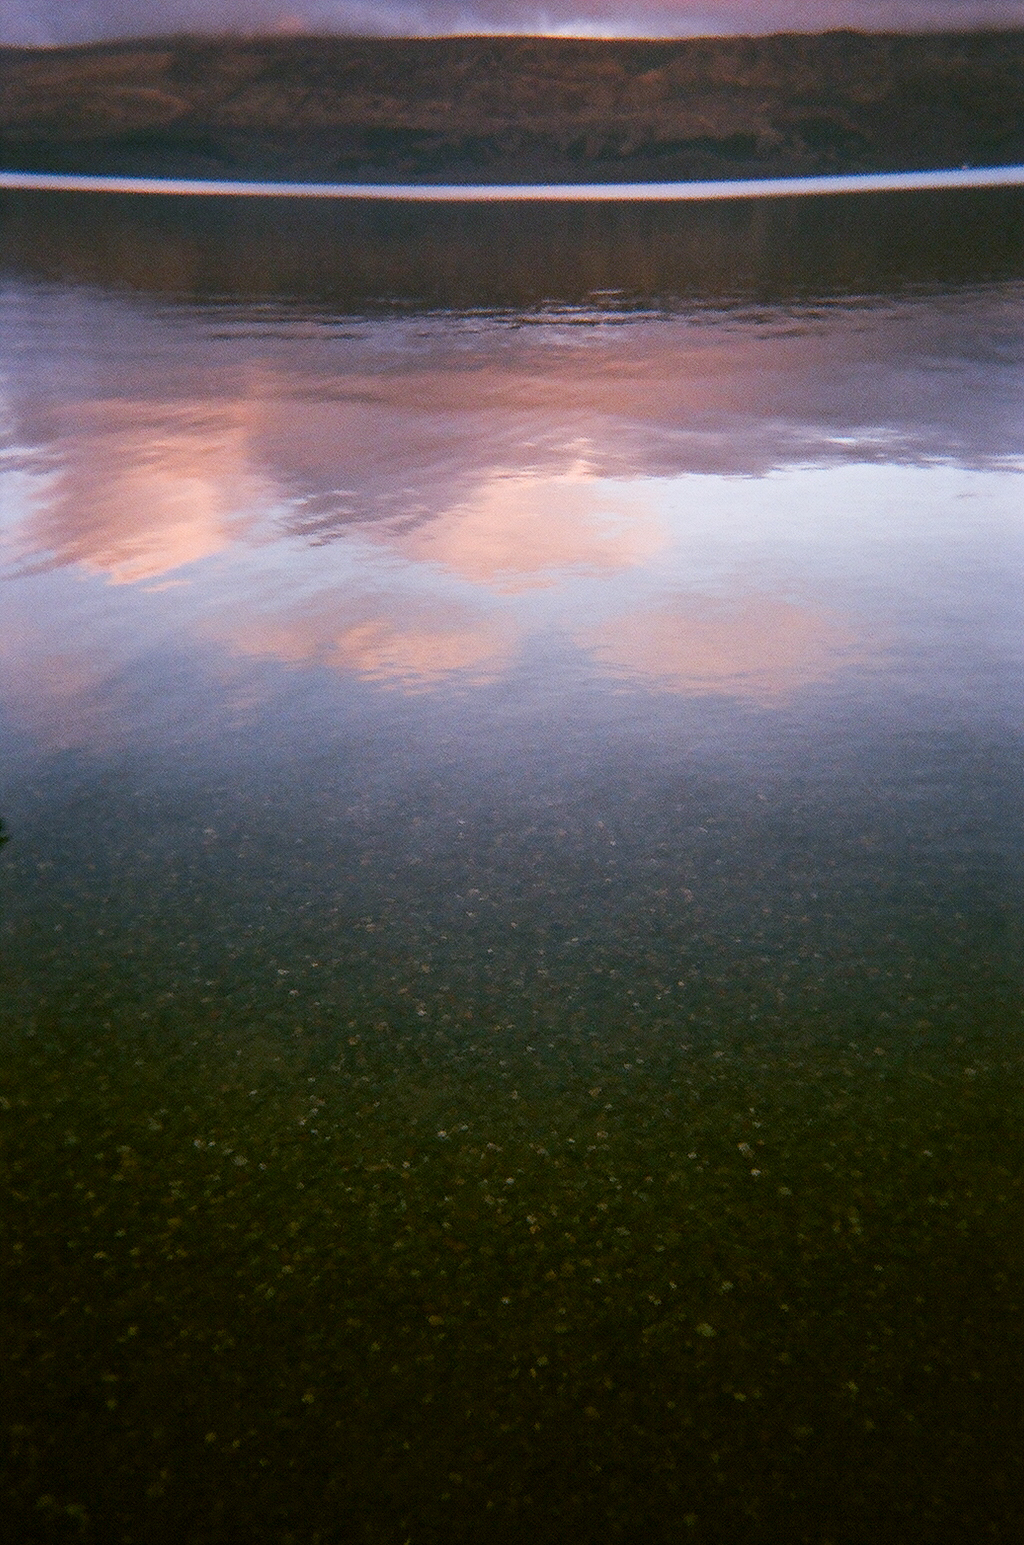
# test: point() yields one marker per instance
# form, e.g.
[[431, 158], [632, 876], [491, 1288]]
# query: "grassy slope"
[[516, 108]]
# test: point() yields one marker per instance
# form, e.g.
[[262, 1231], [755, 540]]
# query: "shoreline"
[[487, 193]]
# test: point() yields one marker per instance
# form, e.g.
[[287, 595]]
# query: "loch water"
[[510, 959]]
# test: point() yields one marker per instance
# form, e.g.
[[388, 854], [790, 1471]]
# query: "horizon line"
[[595, 35]]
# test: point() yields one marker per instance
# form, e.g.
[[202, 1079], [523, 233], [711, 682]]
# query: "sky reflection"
[[736, 505], [142, 490]]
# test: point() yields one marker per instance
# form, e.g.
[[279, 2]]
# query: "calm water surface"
[[510, 928]]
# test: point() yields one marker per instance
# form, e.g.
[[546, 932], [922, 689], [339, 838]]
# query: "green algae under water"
[[510, 962]]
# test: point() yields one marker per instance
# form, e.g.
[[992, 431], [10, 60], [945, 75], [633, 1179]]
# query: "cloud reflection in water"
[[758, 649], [141, 490], [700, 507], [523, 533]]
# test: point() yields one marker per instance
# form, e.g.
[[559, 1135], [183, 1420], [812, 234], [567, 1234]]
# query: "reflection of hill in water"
[[353, 256]]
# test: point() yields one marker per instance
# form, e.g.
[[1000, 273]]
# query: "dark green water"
[[510, 922]]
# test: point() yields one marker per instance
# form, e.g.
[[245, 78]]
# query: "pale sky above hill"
[[70, 21]]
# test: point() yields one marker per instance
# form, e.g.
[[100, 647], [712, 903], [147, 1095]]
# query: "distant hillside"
[[516, 109]]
